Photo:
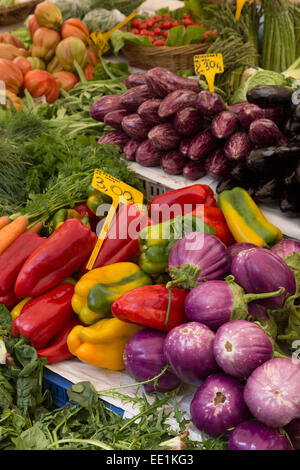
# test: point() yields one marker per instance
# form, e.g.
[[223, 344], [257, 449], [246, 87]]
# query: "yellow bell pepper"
[[99, 288], [15, 312], [102, 344], [245, 220]]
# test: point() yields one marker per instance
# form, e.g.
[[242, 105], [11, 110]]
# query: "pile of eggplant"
[[168, 121]]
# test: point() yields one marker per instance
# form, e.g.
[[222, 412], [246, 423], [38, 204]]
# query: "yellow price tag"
[[239, 6], [100, 40], [209, 65], [121, 193]]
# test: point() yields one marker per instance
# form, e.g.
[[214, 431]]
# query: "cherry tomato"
[[167, 25], [151, 33], [166, 16], [150, 22], [157, 31], [175, 23], [165, 34], [135, 31], [186, 15], [143, 25], [188, 22], [144, 32], [159, 42], [157, 17], [136, 22]]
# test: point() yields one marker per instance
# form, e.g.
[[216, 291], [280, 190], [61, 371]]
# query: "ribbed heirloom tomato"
[[39, 83]]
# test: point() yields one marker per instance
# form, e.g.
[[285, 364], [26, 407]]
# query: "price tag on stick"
[[239, 6], [121, 193], [100, 40], [208, 65]]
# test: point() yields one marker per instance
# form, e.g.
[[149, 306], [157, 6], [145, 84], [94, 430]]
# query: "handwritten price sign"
[[121, 193], [208, 65]]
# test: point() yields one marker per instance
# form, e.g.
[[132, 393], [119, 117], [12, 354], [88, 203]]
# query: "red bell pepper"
[[56, 259], [57, 350], [148, 306], [12, 260], [84, 210], [43, 317], [214, 217], [121, 242], [9, 300], [181, 202]]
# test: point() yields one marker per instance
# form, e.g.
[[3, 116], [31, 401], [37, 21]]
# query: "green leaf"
[[84, 394], [118, 39], [176, 36], [31, 439], [194, 34]]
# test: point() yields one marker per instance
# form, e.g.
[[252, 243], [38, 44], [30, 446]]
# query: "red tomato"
[[159, 42], [144, 32], [150, 22], [157, 31], [167, 25], [136, 22], [157, 17], [186, 15], [188, 22], [150, 33], [215, 32], [40, 82], [175, 23], [135, 31], [143, 25], [166, 16], [165, 34]]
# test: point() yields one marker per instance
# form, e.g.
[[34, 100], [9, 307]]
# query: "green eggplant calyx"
[[184, 276]]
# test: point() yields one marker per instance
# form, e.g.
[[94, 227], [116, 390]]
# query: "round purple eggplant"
[[130, 149], [148, 111], [134, 97], [264, 132], [134, 127], [104, 105], [144, 359], [272, 392], [188, 349], [253, 435], [236, 248], [240, 347], [135, 79], [202, 145], [173, 162], [176, 101], [218, 405], [286, 248], [257, 311], [197, 257], [216, 302], [237, 107], [114, 118], [249, 113], [114, 138], [188, 122], [164, 137], [293, 431], [260, 270], [277, 115], [224, 125], [184, 146], [238, 146], [148, 155], [217, 164], [210, 103], [194, 170]]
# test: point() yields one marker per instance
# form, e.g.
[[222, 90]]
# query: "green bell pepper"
[[156, 241]]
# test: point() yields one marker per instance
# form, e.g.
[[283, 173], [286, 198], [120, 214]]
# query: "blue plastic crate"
[[58, 387]]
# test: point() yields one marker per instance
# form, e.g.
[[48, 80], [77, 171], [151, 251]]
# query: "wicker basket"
[[172, 58], [17, 13]]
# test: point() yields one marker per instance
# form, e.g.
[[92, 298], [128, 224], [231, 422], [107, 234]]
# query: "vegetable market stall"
[[156, 298]]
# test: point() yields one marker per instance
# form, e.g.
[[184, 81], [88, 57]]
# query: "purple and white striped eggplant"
[[197, 257], [217, 302], [260, 270], [188, 349]]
